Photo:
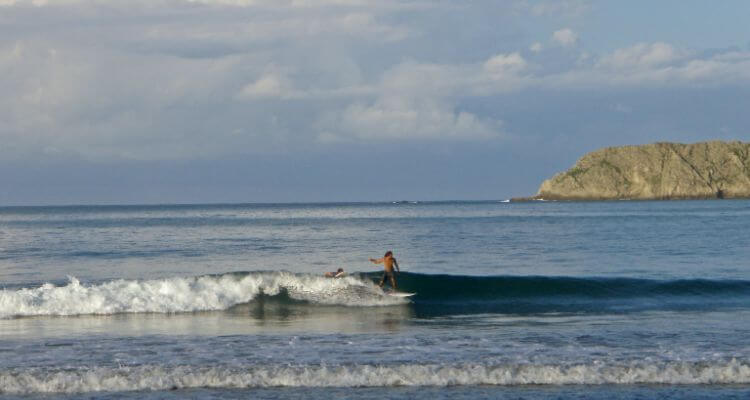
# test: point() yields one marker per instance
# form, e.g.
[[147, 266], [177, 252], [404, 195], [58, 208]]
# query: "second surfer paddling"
[[338, 274], [388, 262]]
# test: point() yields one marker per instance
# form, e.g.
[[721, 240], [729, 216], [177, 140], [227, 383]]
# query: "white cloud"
[[503, 65], [565, 37], [254, 32], [167, 87], [641, 66], [397, 120], [278, 86], [104, 104], [418, 101], [267, 86], [169, 79], [716, 70], [642, 55]]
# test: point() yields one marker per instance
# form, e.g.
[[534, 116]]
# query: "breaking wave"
[[436, 294], [146, 377], [187, 294]]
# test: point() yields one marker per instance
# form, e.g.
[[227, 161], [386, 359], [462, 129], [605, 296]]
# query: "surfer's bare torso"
[[389, 262]]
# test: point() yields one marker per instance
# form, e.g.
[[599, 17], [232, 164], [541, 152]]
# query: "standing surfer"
[[388, 262]]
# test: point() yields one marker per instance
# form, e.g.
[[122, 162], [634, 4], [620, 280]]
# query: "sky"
[[244, 101]]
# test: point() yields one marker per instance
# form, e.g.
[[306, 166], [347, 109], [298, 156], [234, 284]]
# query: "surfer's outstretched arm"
[[395, 264], [378, 261]]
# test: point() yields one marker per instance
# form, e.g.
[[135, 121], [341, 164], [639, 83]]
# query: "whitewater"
[[160, 378], [186, 294], [531, 300]]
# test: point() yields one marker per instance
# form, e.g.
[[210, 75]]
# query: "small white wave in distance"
[[146, 377]]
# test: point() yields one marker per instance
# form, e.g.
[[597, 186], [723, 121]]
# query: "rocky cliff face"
[[656, 171]]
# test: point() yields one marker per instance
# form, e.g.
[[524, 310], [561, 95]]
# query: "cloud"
[[565, 37], [717, 70], [642, 55], [208, 29], [393, 119], [419, 101], [174, 79], [267, 86], [280, 87], [653, 65], [503, 65], [105, 104]]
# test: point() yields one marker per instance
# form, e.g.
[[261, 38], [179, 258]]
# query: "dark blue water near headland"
[[531, 300]]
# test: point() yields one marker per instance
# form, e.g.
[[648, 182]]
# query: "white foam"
[[186, 294], [163, 378]]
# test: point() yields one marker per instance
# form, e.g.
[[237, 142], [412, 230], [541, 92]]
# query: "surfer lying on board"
[[388, 262], [338, 274]]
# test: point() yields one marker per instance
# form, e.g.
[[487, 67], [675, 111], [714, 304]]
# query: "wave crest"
[[187, 294]]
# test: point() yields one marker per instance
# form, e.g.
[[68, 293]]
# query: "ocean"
[[540, 300]]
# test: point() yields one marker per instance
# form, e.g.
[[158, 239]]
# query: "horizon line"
[[402, 201]]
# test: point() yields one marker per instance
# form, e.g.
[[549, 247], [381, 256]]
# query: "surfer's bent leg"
[[382, 280], [393, 281]]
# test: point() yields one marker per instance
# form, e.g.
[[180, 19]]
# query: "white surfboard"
[[399, 294]]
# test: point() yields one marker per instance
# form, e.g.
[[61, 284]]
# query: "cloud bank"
[[178, 79]]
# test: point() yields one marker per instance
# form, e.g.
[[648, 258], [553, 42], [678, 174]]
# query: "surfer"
[[337, 274], [388, 262]]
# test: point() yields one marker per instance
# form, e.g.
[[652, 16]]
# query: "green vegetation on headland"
[[659, 171]]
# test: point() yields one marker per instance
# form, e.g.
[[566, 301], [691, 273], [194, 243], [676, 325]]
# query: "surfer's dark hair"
[[388, 253], [340, 270]]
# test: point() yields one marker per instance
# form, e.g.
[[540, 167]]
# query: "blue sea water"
[[546, 300]]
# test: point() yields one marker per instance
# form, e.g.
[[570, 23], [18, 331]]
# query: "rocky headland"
[[659, 171]]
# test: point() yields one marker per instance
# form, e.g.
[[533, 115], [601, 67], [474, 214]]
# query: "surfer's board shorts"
[[387, 275]]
